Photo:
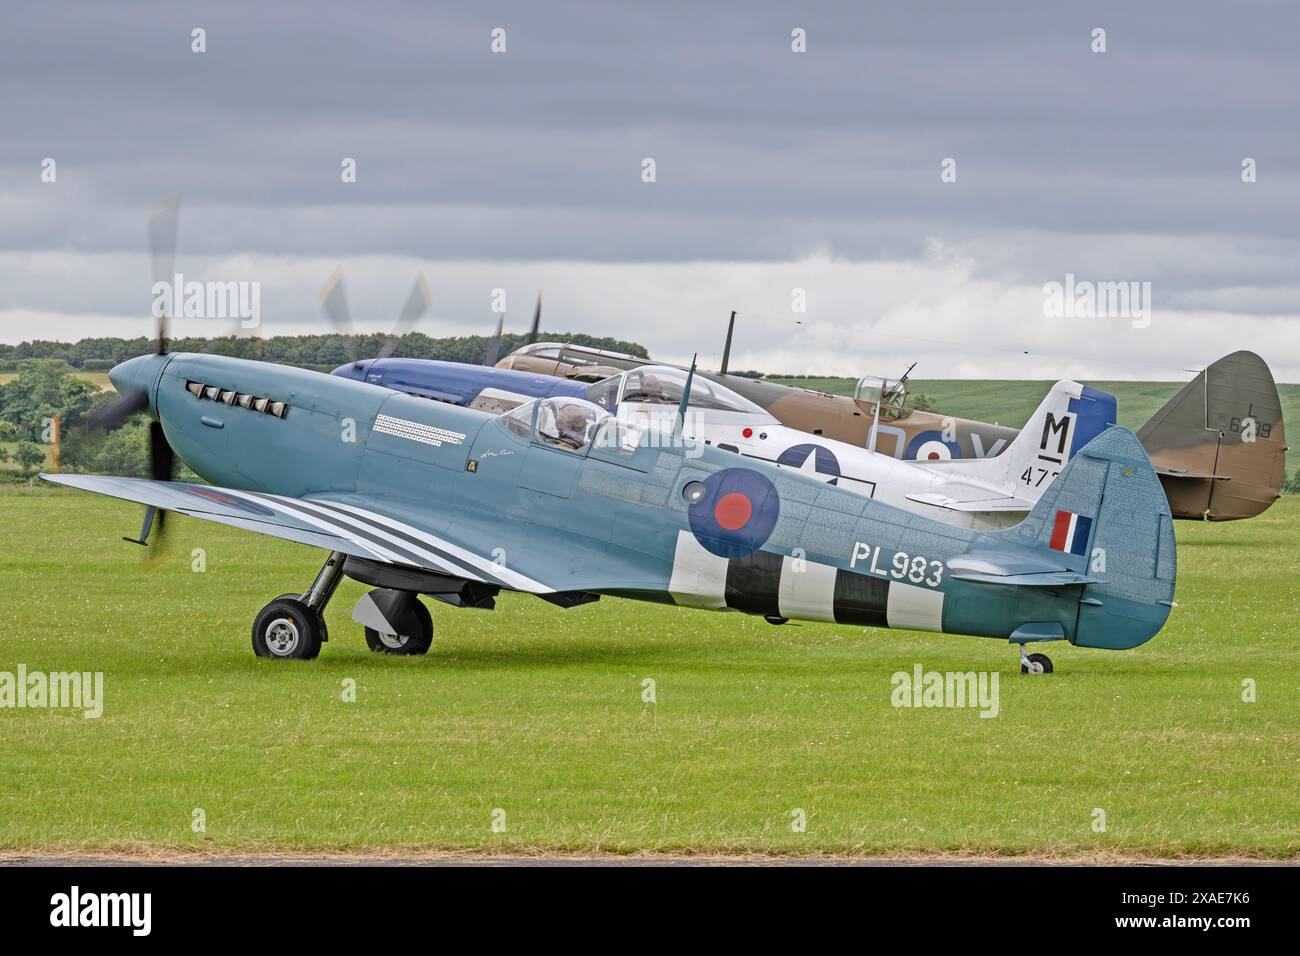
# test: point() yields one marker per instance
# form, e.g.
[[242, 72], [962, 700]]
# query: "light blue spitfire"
[[558, 498]]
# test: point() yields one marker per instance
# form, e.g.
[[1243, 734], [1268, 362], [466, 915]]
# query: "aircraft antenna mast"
[[875, 423], [726, 349], [686, 395]]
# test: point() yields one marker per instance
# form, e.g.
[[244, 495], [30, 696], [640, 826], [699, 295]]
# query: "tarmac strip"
[[173, 857]]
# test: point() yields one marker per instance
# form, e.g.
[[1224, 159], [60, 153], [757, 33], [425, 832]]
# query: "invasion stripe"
[[421, 556], [381, 554], [754, 583], [400, 554], [389, 531], [861, 599], [511, 578], [807, 590]]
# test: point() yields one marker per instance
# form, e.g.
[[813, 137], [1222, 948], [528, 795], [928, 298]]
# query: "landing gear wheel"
[[1036, 664], [287, 629], [405, 644], [324, 628]]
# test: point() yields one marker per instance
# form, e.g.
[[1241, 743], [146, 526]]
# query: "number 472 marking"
[[1028, 476]]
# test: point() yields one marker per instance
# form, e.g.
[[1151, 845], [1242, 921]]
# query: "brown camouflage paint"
[[1213, 462]]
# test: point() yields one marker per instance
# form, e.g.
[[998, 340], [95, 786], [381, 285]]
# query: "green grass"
[[538, 711]]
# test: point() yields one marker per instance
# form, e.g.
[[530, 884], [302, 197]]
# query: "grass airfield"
[[538, 712]]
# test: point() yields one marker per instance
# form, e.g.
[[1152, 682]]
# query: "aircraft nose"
[[137, 375]]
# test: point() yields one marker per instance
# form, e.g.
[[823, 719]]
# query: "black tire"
[[1042, 659], [405, 645], [287, 629], [324, 628]]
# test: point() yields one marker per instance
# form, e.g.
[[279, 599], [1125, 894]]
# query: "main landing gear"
[[395, 622], [292, 627], [1034, 663]]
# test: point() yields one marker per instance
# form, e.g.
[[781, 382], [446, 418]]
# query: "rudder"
[[1106, 515]]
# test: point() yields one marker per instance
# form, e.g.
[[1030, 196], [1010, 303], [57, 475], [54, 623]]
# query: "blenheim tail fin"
[[1219, 444]]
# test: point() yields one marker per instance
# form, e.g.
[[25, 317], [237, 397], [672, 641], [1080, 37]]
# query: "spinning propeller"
[[494, 350], [334, 303], [164, 221]]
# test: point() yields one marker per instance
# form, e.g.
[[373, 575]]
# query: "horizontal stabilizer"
[[1036, 579], [1038, 631], [1175, 473], [982, 503], [1014, 564]]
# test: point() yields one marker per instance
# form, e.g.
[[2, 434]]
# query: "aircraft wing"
[[971, 498], [363, 532]]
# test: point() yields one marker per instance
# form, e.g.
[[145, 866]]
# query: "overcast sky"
[[775, 171]]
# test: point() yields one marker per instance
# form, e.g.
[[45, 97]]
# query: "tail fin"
[[1219, 445], [1106, 516], [1070, 416]]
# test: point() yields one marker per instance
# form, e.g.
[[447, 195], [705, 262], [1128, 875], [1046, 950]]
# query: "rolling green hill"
[[1012, 402]]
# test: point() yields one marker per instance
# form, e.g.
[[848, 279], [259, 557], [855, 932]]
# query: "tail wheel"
[[287, 629], [405, 644], [1036, 664]]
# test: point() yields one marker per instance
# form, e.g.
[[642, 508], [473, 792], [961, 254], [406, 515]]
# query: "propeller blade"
[[335, 303], [164, 226], [162, 459], [494, 350], [537, 321], [417, 303], [110, 416], [162, 467]]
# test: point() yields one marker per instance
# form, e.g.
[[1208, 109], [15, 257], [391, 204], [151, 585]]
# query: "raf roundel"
[[735, 514], [931, 446]]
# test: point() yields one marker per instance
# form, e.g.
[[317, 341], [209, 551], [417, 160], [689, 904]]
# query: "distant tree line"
[[313, 351], [29, 404], [46, 386]]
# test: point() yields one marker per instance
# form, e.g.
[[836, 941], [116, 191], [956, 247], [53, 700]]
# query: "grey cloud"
[[1124, 165]]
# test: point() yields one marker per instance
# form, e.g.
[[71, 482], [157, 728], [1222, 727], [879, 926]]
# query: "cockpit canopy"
[[889, 393], [664, 385], [572, 424], [558, 350], [615, 418]]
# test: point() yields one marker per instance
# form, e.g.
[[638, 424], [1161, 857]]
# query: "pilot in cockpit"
[[573, 427], [652, 392]]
